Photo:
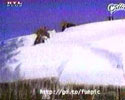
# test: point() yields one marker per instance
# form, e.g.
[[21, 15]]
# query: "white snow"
[[86, 54]]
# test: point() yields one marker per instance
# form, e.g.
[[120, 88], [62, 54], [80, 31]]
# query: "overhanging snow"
[[86, 54]]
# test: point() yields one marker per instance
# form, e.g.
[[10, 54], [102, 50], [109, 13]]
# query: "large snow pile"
[[85, 54]]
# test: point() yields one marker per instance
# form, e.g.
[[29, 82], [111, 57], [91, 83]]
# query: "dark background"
[[18, 21]]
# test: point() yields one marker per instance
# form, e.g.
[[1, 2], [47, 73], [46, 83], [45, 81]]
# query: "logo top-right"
[[112, 8]]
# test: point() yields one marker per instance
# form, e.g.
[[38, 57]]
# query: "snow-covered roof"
[[86, 54]]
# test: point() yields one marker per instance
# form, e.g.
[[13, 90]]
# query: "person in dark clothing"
[[110, 17], [42, 34], [65, 25]]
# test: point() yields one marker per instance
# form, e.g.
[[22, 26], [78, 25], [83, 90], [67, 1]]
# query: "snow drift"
[[86, 54]]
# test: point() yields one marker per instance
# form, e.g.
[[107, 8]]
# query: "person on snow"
[[65, 25], [110, 17], [42, 35]]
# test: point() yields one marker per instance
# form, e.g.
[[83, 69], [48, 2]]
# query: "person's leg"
[[37, 41]]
